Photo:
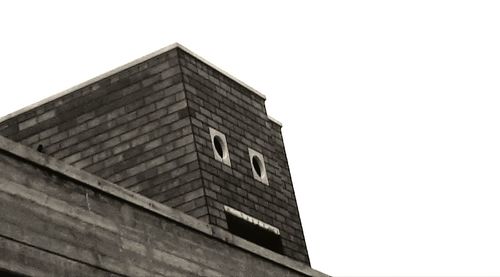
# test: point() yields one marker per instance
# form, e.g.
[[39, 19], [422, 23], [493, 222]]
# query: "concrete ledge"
[[252, 220], [123, 67], [99, 184], [275, 121]]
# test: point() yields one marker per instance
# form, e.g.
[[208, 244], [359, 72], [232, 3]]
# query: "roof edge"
[[275, 120], [222, 71], [123, 67], [104, 186]]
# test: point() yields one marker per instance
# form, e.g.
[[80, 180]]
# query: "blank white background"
[[390, 109]]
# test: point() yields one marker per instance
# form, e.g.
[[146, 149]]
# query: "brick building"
[[142, 147]]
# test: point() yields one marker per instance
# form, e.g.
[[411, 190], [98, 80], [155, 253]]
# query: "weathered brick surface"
[[146, 128], [219, 102], [52, 225], [132, 128]]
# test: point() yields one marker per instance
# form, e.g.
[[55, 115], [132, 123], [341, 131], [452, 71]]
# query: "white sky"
[[390, 109]]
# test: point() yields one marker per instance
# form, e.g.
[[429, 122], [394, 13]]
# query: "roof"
[[128, 65]]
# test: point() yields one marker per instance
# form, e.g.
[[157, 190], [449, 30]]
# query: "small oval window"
[[256, 165], [219, 145]]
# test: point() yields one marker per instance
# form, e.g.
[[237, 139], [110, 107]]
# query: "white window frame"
[[262, 164], [214, 134]]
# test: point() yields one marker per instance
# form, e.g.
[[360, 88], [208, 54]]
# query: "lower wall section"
[[28, 260], [54, 225]]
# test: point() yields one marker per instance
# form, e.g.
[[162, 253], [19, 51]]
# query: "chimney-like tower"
[[180, 131]]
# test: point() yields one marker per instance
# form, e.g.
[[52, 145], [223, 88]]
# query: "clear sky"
[[390, 109]]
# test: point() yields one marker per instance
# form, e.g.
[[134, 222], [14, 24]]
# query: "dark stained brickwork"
[[219, 102], [132, 128], [146, 128]]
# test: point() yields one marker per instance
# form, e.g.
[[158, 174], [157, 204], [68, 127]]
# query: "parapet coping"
[[275, 121], [104, 186], [128, 65]]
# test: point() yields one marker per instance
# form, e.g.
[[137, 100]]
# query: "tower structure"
[[178, 130]]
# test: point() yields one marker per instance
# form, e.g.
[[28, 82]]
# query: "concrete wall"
[[59, 221]]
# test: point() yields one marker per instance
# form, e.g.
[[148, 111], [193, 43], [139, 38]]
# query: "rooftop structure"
[[163, 153]]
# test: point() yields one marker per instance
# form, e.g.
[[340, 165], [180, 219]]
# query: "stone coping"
[[104, 186], [275, 121], [128, 65]]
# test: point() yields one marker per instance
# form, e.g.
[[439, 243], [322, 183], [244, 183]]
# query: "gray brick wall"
[[219, 102], [132, 128], [146, 128]]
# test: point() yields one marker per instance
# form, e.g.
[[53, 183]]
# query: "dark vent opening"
[[254, 233]]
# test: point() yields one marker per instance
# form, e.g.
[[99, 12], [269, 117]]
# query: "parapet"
[[58, 220]]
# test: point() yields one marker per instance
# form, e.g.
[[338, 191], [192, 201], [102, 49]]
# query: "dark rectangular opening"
[[254, 233]]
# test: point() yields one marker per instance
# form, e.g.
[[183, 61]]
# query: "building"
[[166, 166]]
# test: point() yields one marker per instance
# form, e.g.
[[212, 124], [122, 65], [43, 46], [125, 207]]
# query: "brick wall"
[[146, 128], [219, 102], [132, 128]]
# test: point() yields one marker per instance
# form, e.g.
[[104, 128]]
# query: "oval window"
[[218, 146], [256, 165]]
